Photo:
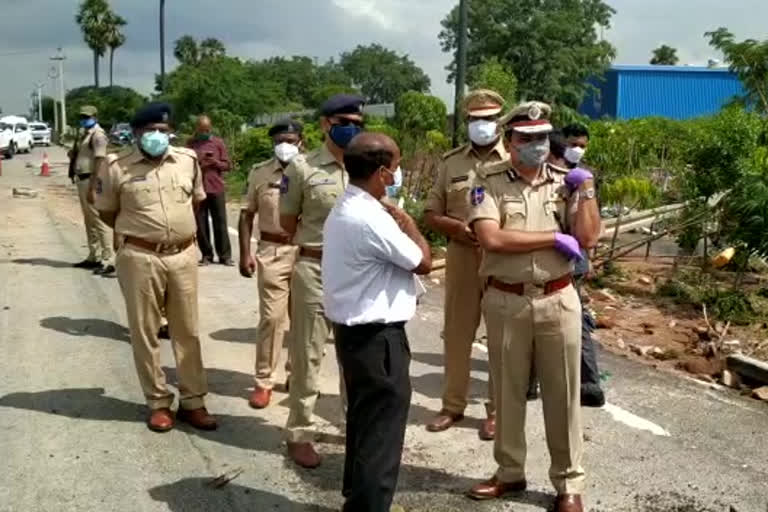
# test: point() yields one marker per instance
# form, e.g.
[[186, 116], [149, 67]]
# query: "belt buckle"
[[167, 249], [534, 290]]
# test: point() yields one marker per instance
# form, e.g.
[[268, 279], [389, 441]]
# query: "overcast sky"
[[31, 30]]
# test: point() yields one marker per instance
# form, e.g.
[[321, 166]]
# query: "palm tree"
[[93, 17], [186, 50], [211, 48], [115, 39], [664, 56], [162, 45]]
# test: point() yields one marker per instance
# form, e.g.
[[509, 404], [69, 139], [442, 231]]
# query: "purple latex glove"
[[576, 177], [568, 246]]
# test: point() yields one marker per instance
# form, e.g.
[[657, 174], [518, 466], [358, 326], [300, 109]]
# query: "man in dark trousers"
[[214, 161], [370, 255]]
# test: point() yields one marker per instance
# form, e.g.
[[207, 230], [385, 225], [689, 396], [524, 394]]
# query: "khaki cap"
[[483, 103], [528, 117], [88, 110]]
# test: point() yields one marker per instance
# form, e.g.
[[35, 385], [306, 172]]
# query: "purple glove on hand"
[[568, 246], [576, 177]]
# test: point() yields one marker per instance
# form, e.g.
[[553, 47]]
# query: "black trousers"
[[216, 206], [375, 359]]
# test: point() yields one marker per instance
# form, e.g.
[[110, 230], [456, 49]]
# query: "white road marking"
[[634, 421], [480, 347]]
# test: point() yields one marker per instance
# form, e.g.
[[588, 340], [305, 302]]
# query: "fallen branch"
[[225, 478]]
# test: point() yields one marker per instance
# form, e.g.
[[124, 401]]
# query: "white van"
[[15, 136]]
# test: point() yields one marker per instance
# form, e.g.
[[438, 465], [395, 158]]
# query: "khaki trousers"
[[275, 266], [463, 297], [153, 283], [98, 234], [310, 330], [547, 329]]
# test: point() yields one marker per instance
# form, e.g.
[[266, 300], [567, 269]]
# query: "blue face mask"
[[342, 134], [88, 123], [155, 143]]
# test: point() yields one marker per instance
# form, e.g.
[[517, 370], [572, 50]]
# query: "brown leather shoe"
[[260, 398], [303, 454], [160, 420], [443, 421], [568, 503], [488, 429], [493, 488], [198, 418]]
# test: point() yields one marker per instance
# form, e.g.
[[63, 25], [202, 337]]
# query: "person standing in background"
[[446, 212], [592, 395], [214, 162], [275, 256], [371, 252], [89, 156]]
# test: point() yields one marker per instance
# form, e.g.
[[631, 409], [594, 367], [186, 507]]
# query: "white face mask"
[[285, 152], [574, 154], [482, 132], [394, 189]]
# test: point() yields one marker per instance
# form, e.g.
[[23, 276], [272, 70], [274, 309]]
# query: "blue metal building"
[[677, 92]]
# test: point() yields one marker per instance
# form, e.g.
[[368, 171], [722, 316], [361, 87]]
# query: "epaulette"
[[454, 151], [559, 169], [265, 163], [121, 155], [493, 169], [186, 151]]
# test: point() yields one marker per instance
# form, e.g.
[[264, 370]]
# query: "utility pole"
[[53, 75], [162, 45], [60, 59], [39, 87], [461, 67]]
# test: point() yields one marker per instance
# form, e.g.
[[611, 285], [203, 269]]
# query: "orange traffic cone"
[[45, 169]]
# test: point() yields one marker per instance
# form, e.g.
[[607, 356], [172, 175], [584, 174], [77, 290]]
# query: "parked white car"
[[20, 140], [41, 133]]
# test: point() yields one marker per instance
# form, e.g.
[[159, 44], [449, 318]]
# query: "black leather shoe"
[[105, 270], [205, 262], [593, 398], [88, 264], [227, 262]]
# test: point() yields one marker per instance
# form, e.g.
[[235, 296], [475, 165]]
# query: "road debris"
[[760, 393], [25, 192], [225, 478]]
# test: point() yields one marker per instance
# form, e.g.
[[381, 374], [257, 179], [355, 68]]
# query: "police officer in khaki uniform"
[[91, 154], [521, 211], [275, 256], [311, 185], [446, 212], [149, 196]]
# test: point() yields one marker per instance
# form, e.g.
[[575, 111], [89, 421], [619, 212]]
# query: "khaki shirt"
[[311, 185], [450, 193], [515, 204], [264, 194], [93, 145], [152, 200]]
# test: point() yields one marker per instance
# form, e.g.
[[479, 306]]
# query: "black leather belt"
[[84, 176]]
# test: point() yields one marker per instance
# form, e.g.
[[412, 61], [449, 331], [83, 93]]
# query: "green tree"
[[664, 56], [551, 46], [491, 74], [93, 17], [186, 51], [381, 74], [211, 48], [115, 39], [115, 104], [749, 60]]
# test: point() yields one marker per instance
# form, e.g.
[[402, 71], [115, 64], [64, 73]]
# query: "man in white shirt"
[[370, 255]]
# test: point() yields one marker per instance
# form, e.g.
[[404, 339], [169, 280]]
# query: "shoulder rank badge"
[[477, 196], [284, 184]]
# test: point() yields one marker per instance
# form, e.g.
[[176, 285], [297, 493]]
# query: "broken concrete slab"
[[748, 367], [24, 192], [760, 393]]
